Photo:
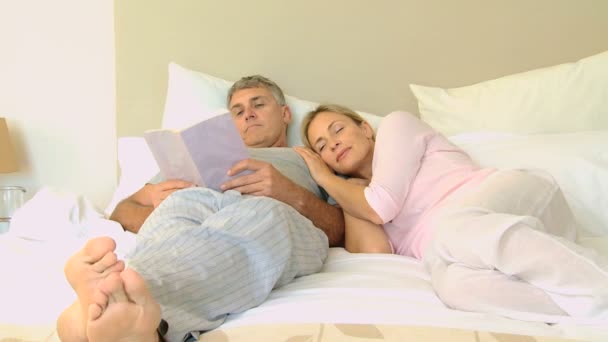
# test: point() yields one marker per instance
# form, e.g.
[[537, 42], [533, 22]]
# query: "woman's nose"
[[334, 144]]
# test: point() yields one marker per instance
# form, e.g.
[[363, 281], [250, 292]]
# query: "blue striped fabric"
[[206, 254]]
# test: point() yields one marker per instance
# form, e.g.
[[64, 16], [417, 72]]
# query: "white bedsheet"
[[388, 289], [44, 233], [352, 288]]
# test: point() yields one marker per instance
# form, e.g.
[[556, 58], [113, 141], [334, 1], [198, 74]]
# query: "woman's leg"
[[488, 290], [519, 224]]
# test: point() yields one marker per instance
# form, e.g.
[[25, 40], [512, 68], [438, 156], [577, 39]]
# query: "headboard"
[[359, 53]]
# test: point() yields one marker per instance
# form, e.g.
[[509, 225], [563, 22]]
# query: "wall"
[[57, 91], [356, 52]]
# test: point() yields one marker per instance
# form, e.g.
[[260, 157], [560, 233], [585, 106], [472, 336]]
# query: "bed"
[[517, 121]]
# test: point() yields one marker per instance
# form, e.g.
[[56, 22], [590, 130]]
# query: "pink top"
[[415, 169]]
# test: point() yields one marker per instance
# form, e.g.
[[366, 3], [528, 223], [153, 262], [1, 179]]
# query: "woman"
[[493, 241]]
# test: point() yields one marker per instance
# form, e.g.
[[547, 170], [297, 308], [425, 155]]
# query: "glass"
[[11, 199]]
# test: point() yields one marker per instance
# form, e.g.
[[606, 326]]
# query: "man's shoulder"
[[287, 161], [273, 152]]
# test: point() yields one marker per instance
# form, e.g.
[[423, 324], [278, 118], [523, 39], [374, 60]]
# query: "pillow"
[[578, 162], [564, 98], [137, 166], [191, 95]]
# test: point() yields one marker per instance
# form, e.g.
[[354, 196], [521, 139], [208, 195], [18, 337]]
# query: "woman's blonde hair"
[[333, 108]]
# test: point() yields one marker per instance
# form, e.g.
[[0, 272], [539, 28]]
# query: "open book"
[[201, 153]]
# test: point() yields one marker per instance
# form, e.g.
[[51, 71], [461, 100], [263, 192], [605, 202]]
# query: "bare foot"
[[123, 310], [84, 270]]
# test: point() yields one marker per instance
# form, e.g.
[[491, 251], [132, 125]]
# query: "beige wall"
[[57, 90], [355, 52]]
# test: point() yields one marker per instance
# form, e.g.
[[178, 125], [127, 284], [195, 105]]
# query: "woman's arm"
[[361, 236], [402, 141]]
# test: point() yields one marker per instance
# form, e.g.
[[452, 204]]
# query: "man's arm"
[[131, 214], [135, 209], [323, 215], [267, 181]]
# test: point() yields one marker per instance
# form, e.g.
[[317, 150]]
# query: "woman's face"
[[343, 144]]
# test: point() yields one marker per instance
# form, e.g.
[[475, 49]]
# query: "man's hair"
[[333, 108], [257, 81]]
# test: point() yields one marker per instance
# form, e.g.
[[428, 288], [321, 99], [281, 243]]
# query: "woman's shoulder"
[[405, 123], [401, 114]]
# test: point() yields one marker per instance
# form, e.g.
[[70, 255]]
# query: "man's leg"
[[84, 270], [123, 310], [204, 255]]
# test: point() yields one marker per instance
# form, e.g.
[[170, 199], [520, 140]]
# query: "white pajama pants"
[[509, 248], [205, 254]]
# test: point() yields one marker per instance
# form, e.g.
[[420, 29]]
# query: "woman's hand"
[[317, 167], [360, 181]]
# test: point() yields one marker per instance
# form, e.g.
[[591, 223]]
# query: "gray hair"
[[257, 81]]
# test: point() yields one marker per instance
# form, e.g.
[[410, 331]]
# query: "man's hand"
[[268, 181], [154, 194], [264, 181]]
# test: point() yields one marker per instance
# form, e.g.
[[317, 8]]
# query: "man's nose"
[[249, 113]]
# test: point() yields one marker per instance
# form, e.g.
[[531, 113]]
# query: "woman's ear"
[[367, 129]]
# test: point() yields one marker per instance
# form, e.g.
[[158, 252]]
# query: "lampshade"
[[8, 162]]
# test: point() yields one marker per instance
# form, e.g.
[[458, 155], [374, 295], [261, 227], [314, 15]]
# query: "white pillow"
[[578, 161], [192, 95], [137, 166], [564, 98]]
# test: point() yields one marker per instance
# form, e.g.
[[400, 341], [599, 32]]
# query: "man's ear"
[[287, 115]]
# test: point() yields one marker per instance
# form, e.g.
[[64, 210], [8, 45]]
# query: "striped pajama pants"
[[206, 254]]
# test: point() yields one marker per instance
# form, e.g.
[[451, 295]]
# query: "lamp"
[[11, 197], [8, 162]]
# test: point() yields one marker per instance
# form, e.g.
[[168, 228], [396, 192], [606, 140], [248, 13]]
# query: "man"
[[202, 254], [261, 115]]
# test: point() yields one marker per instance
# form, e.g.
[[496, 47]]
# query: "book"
[[201, 153]]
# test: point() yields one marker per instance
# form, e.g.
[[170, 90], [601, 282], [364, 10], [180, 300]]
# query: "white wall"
[[57, 91]]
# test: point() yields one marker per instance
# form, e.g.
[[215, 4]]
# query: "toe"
[[105, 262], [112, 286], [135, 287], [100, 299], [95, 249], [95, 312]]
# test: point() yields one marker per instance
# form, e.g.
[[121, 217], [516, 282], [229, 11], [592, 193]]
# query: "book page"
[[215, 145], [172, 157]]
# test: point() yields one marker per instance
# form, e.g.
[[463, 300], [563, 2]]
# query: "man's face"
[[261, 121]]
